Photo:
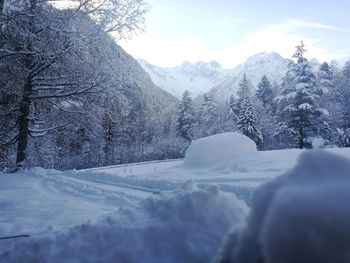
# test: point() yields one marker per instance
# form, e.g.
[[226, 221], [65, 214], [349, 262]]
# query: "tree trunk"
[[23, 131], [2, 3], [302, 137]]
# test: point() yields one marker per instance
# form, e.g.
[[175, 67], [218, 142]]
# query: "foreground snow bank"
[[302, 216], [218, 148], [185, 225]]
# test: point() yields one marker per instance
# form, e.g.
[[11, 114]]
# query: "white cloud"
[[280, 38], [165, 53]]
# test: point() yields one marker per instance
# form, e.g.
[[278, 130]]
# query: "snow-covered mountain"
[[271, 64], [198, 78], [211, 78]]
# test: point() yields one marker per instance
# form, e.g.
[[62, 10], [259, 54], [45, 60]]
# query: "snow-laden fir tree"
[[299, 115], [341, 106], [207, 117], [234, 108], [265, 109], [264, 91], [324, 79], [329, 98], [247, 121], [185, 120], [244, 91]]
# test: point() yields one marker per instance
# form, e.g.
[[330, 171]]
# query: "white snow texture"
[[219, 148], [186, 225], [302, 216]]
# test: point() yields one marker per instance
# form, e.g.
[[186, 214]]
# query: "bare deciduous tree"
[[39, 52]]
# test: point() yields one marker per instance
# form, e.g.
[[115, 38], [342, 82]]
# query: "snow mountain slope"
[[271, 64], [198, 78], [211, 78]]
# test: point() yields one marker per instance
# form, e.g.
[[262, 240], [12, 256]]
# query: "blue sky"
[[231, 31]]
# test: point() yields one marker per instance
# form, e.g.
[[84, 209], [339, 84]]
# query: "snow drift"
[[302, 216], [218, 148], [185, 225]]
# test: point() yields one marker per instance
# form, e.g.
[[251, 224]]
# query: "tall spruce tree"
[[244, 91], [234, 108], [207, 117], [247, 121], [264, 91], [341, 106], [265, 113], [299, 115], [325, 79], [185, 120]]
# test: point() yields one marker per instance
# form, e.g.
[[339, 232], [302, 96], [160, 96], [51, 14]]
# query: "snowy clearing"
[[136, 198]]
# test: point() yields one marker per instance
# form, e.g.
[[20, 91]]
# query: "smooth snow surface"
[[302, 216], [219, 148]]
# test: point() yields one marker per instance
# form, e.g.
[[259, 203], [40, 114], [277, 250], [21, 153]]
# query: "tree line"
[[310, 108]]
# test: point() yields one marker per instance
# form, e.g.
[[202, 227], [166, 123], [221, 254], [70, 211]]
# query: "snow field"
[[183, 226], [165, 212]]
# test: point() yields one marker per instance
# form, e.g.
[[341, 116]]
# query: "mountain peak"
[[265, 56], [201, 64], [202, 77], [215, 64], [197, 77]]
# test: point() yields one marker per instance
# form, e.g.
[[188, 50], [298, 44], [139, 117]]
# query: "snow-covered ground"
[[168, 199]]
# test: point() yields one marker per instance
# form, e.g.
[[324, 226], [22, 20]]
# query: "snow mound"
[[302, 216], [185, 225], [218, 148]]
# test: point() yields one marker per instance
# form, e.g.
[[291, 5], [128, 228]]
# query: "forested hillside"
[[70, 96]]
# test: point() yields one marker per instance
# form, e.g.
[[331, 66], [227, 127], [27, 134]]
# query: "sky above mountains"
[[229, 31]]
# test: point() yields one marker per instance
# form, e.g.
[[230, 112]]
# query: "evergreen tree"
[[185, 120], [244, 90], [108, 149], [247, 121], [324, 79], [340, 110], [300, 116], [234, 108], [207, 117], [264, 91]]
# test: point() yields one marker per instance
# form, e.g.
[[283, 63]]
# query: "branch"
[[41, 132], [10, 142], [13, 53], [51, 60], [67, 84], [62, 109], [68, 94], [8, 113]]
